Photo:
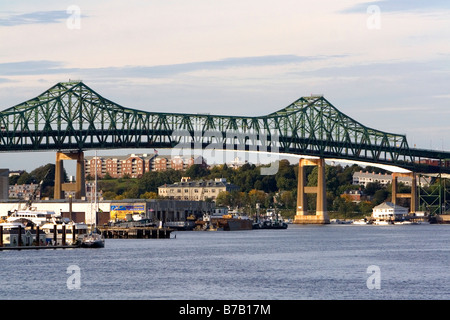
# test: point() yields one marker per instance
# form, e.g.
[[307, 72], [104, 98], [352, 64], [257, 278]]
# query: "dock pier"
[[38, 247], [135, 232]]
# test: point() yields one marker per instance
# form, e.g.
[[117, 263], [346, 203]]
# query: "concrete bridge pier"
[[412, 195], [302, 216], [80, 188]]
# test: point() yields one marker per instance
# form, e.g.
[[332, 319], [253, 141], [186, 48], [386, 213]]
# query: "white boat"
[[360, 221], [37, 217], [382, 222], [93, 240], [404, 222], [337, 221], [72, 232]]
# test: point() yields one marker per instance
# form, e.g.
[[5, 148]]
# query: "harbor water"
[[301, 262]]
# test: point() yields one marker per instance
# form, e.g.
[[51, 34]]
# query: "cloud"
[[30, 67], [54, 67], [400, 6], [4, 80], [173, 69], [37, 17]]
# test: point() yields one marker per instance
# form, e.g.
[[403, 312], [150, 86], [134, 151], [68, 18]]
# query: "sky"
[[385, 63]]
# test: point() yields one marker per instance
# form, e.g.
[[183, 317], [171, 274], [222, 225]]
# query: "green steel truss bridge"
[[72, 116]]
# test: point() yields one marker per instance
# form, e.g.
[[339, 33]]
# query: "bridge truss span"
[[72, 116]]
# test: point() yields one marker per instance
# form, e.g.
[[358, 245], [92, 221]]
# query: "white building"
[[364, 178], [389, 211], [202, 190]]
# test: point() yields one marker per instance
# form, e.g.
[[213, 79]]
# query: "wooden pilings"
[[63, 240], [37, 236], [19, 236], [55, 234]]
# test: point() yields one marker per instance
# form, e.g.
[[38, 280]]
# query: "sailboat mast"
[[95, 190]]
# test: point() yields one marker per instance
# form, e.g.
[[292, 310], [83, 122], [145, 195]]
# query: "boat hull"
[[239, 224], [232, 224], [270, 225], [94, 240], [93, 244], [180, 225]]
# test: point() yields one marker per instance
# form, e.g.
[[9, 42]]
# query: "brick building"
[[135, 165]]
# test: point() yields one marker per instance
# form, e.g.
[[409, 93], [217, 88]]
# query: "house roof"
[[389, 205], [200, 183]]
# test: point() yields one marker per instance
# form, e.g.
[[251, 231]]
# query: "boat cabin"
[[37, 217]]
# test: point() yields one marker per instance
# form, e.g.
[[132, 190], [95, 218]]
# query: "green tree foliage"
[[285, 177]]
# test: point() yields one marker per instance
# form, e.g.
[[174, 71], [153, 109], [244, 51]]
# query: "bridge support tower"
[[80, 184], [412, 195], [302, 216]]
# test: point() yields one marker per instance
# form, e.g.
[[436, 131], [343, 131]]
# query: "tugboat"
[[273, 224], [271, 221], [221, 219]]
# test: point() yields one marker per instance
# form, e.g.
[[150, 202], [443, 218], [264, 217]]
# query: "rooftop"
[[187, 182]]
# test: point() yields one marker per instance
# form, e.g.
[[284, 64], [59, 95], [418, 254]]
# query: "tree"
[[149, 195], [13, 179], [25, 178], [380, 196], [196, 171], [223, 199], [372, 187], [285, 177], [46, 174], [109, 195], [365, 207], [256, 196], [288, 199], [269, 183], [345, 206]]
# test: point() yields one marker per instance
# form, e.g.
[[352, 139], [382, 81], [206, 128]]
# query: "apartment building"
[[135, 165], [24, 191], [187, 189], [364, 178]]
